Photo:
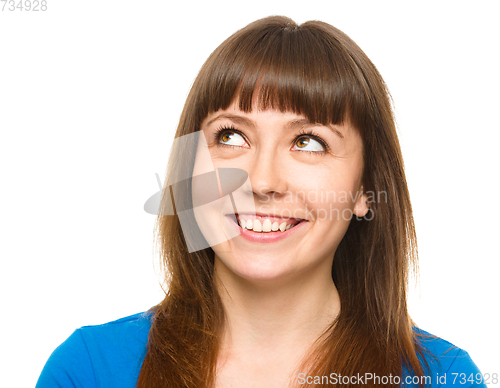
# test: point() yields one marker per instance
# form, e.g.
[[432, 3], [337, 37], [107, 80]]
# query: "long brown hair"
[[316, 70]]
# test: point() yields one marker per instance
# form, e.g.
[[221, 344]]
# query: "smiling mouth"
[[266, 224]]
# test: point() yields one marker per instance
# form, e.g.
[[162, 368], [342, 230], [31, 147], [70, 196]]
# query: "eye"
[[310, 142], [228, 136], [304, 142], [307, 141]]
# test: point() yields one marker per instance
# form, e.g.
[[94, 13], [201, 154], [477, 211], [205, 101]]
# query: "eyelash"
[[303, 133]]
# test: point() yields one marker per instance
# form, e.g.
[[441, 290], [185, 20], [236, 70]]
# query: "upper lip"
[[264, 215]]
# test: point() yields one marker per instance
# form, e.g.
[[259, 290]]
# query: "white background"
[[90, 96]]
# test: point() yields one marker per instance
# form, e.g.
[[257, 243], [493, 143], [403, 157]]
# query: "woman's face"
[[294, 176]]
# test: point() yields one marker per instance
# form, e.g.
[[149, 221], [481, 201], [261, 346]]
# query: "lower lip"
[[266, 237]]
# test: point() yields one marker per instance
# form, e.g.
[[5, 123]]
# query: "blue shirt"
[[111, 355]]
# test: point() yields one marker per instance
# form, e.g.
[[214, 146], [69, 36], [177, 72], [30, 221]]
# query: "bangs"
[[304, 70]]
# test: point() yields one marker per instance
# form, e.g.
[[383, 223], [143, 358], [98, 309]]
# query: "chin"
[[256, 268]]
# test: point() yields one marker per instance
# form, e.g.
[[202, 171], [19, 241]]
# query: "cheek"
[[204, 160], [328, 195]]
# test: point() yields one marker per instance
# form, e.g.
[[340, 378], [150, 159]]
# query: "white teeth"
[[266, 226]]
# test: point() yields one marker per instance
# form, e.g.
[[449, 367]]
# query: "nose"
[[267, 174]]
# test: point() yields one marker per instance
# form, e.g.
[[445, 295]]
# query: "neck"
[[279, 316]]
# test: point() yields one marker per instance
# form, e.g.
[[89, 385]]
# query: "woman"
[[288, 255]]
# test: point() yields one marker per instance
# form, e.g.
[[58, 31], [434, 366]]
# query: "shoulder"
[[106, 355], [445, 363], [127, 335]]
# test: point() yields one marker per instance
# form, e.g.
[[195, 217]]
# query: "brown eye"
[[302, 142], [232, 138], [306, 141]]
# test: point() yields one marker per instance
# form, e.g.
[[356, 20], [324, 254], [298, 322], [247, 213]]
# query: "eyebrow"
[[298, 123], [301, 123]]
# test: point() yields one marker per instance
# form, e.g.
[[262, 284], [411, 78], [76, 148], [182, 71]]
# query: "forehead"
[[287, 119], [234, 113]]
